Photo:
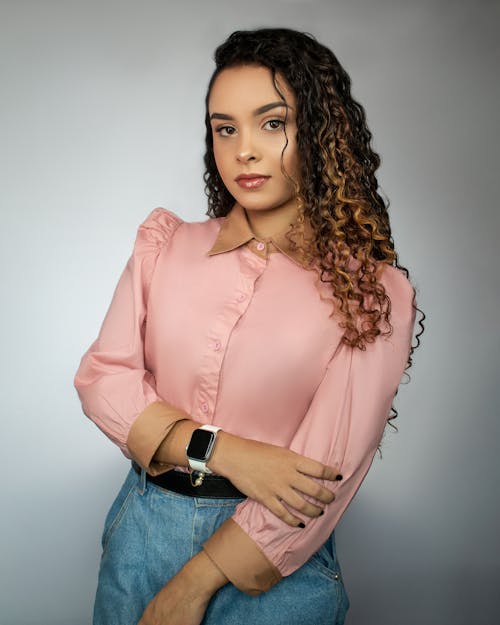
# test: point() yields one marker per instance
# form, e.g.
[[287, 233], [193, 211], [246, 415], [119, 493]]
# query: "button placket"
[[251, 268]]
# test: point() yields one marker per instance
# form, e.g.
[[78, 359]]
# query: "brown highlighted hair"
[[337, 191]]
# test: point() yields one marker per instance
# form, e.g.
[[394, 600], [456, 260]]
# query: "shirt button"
[[260, 246], [204, 406], [217, 345]]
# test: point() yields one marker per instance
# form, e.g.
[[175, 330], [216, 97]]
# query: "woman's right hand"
[[273, 476]]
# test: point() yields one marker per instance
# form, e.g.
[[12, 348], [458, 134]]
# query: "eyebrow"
[[258, 111]]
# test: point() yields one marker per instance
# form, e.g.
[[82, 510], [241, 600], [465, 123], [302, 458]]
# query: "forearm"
[[185, 598], [270, 475], [267, 473], [173, 448], [204, 575]]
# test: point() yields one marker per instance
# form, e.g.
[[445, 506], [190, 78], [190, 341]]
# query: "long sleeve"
[[342, 427], [116, 390]]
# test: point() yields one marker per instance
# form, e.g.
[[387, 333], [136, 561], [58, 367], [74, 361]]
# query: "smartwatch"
[[200, 448]]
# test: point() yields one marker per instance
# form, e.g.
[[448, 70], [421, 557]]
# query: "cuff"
[[241, 560], [148, 432]]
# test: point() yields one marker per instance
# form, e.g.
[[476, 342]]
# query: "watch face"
[[200, 444]]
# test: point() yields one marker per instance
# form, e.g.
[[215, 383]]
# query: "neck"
[[267, 223]]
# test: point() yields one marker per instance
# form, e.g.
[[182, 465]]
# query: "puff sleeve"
[[342, 427], [116, 390]]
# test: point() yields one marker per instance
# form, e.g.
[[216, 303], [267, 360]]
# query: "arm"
[[266, 473], [260, 470], [185, 598], [118, 394], [344, 424], [342, 427], [116, 390]]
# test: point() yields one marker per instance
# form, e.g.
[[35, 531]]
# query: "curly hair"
[[337, 191]]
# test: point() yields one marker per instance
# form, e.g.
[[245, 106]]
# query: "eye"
[[225, 131], [274, 124]]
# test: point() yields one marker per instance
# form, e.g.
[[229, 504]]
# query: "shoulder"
[[158, 230], [395, 282], [158, 227], [400, 292]]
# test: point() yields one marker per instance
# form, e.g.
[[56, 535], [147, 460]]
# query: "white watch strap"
[[210, 428], [198, 465]]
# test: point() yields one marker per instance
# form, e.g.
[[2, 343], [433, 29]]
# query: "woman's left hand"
[[185, 598]]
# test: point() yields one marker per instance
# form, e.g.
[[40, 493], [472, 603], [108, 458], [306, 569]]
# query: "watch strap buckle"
[[196, 478]]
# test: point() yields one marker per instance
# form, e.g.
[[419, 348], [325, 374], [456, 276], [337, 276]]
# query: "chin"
[[256, 203]]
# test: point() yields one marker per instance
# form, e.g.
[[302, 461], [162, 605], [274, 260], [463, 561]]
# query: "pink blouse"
[[209, 323]]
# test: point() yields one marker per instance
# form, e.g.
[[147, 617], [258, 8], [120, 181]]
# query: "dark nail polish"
[[339, 477], [301, 525]]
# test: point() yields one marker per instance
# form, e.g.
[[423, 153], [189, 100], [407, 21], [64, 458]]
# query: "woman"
[[248, 363]]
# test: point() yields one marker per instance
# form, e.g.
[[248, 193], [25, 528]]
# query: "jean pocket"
[[325, 562], [119, 507]]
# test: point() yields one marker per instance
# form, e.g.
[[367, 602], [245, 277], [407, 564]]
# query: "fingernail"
[[321, 513], [339, 477], [301, 525]]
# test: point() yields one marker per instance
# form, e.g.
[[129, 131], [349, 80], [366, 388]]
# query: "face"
[[248, 119]]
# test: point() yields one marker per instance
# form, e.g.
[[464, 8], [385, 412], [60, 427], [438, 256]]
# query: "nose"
[[245, 156], [247, 150]]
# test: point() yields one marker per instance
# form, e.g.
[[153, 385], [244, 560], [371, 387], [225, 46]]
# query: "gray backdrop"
[[102, 120]]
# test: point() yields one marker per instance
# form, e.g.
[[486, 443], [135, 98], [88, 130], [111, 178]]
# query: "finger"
[[313, 489], [297, 502], [307, 466], [279, 510]]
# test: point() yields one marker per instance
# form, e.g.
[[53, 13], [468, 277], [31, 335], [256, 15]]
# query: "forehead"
[[245, 88]]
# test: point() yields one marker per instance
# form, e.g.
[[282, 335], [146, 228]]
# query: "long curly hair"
[[337, 191]]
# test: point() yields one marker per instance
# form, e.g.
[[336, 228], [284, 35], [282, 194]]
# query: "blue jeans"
[[150, 533]]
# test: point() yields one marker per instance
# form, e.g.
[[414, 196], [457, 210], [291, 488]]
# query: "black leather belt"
[[214, 486]]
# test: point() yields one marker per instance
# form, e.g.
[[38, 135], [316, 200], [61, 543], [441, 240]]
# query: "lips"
[[251, 181]]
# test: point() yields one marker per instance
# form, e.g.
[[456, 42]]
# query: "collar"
[[236, 231]]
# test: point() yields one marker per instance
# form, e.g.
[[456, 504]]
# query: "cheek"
[[291, 160], [220, 160]]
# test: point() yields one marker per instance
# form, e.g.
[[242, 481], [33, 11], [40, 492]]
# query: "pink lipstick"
[[251, 181]]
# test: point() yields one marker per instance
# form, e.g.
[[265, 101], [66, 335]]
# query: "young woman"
[[248, 362]]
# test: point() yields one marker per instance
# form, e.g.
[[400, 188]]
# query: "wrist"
[[173, 447], [201, 446], [220, 453], [203, 576]]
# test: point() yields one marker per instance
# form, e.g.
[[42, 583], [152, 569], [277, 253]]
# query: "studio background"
[[101, 121]]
